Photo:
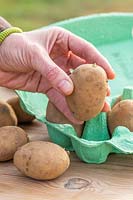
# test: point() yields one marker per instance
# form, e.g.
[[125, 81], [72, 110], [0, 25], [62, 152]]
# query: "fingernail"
[[113, 74], [66, 87]]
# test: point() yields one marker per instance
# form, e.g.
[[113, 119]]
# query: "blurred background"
[[32, 14]]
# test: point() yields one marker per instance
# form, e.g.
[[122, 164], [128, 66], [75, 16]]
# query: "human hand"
[[40, 60]]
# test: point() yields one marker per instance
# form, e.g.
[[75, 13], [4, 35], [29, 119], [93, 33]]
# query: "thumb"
[[42, 63]]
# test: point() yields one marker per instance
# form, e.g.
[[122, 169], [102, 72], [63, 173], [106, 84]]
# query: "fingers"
[[106, 107], [42, 63], [108, 91], [88, 52], [60, 102], [74, 61]]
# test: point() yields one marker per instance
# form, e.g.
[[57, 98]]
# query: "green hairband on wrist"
[[4, 34]]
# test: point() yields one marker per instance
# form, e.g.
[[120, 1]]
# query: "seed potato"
[[11, 137], [41, 160], [55, 116], [7, 115], [22, 116], [90, 89], [117, 100], [121, 115]]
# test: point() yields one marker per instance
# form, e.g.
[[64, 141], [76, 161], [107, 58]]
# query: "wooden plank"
[[112, 180]]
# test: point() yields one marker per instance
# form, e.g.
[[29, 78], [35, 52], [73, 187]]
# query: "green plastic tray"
[[111, 34]]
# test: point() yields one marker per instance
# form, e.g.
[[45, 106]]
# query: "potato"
[[121, 115], [55, 116], [117, 100], [7, 115], [11, 137], [20, 113], [90, 89], [41, 160]]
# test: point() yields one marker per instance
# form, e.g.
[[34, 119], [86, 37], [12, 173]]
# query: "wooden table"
[[112, 180]]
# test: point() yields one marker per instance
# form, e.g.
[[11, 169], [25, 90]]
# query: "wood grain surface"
[[112, 180]]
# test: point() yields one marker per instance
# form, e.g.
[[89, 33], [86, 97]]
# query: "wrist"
[[6, 29]]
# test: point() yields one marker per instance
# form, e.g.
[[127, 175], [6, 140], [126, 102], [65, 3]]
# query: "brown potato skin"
[[90, 89], [117, 100], [11, 137], [121, 115], [41, 160], [7, 115], [22, 116], [55, 116]]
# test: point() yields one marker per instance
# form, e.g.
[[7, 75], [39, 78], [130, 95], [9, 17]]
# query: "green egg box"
[[110, 33]]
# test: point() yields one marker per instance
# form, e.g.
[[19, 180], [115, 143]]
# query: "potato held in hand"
[[90, 89], [11, 137], [41, 160], [121, 115], [7, 115], [22, 116], [55, 116]]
